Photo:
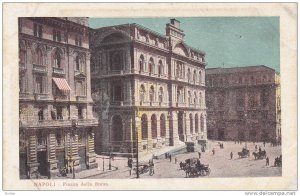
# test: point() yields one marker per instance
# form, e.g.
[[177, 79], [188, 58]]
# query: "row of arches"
[[152, 94], [151, 67], [193, 121]]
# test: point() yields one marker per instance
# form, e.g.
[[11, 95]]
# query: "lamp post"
[[137, 147], [109, 165]]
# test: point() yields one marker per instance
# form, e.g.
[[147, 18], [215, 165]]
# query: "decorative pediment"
[[181, 49], [80, 75]]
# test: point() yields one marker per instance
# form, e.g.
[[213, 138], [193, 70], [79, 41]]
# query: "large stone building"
[[56, 119], [146, 86], [243, 103]]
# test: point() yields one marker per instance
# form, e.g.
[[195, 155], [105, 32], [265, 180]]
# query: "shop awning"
[[62, 85]]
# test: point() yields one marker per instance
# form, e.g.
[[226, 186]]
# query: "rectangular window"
[[37, 30], [56, 35], [59, 113], [39, 84], [80, 113]]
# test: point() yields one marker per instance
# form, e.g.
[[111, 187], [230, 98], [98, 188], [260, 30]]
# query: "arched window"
[[200, 77], [189, 75], [195, 98], [151, 66], [144, 127], [194, 76], [38, 58], [141, 63], [153, 126], [77, 63], [151, 94], [189, 97], [191, 124], [160, 68], [200, 99], [142, 93], [178, 96], [116, 61], [162, 125], [57, 60], [202, 123], [160, 95], [117, 128], [196, 124]]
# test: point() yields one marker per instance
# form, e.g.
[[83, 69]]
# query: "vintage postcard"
[[175, 96]]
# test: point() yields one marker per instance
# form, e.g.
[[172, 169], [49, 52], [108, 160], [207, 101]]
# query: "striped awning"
[[62, 85]]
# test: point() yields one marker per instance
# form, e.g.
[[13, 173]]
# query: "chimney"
[[175, 23]]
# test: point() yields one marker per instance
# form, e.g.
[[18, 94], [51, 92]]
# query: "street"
[[220, 164]]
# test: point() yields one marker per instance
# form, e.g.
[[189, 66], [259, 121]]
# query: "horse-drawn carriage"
[[193, 168], [260, 155], [244, 153], [144, 168], [278, 161]]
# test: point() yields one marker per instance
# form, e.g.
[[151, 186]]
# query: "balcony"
[[180, 104], [40, 68], [117, 103], [46, 123], [87, 122], [23, 95], [81, 98], [58, 71], [41, 97], [60, 98]]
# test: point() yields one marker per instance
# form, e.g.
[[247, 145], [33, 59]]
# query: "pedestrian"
[[170, 157], [255, 148], [175, 160], [213, 151], [166, 155], [267, 161], [264, 143], [231, 155], [199, 153]]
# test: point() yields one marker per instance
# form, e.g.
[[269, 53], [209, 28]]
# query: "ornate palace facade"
[[243, 104], [56, 120], [146, 86]]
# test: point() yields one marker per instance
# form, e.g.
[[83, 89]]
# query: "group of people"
[[168, 156]]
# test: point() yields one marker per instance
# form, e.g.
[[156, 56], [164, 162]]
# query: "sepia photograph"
[[188, 98]]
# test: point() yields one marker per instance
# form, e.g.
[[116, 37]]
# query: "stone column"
[[173, 123], [149, 140], [52, 161], [187, 127], [91, 156], [88, 77], [167, 138], [32, 155], [159, 140]]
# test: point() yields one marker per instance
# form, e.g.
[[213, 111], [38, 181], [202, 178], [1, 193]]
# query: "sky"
[[227, 41]]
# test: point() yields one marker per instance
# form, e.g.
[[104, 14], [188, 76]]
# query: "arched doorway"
[[162, 126], [144, 127], [117, 128], [196, 124], [154, 126]]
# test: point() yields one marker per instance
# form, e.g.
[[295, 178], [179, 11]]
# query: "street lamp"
[[137, 147], [109, 165]]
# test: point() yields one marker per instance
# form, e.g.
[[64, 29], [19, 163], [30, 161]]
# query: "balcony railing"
[[180, 104], [58, 123], [40, 68], [24, 95], [41, 96], [81, 98], [58, 70]]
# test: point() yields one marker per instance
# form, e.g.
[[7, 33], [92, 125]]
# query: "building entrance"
[[43, 164]]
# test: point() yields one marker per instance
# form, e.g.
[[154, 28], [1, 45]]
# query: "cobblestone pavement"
[[220, 164]]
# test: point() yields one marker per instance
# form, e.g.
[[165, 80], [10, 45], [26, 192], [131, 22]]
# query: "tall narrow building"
[[56, 120], [147, 87]]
